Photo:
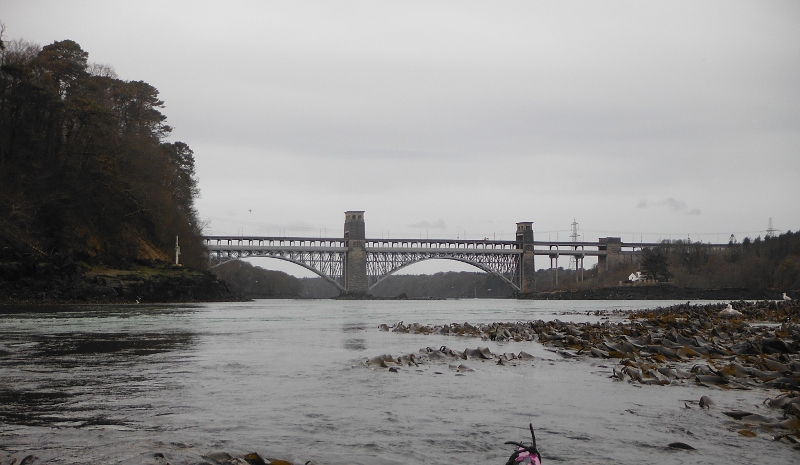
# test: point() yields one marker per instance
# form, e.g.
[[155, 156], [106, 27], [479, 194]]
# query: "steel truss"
[[327, 257], [328, 265], [503, 265]]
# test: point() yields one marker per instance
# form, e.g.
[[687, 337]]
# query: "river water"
[[285, 378]]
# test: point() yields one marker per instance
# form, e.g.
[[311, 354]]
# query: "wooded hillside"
[[758, 264], [768, 264], [86, 171], [253, 282]]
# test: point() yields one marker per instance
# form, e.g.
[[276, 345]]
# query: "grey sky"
[[638, 119]]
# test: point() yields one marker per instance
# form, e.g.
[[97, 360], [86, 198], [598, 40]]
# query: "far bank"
[[657, 292], [45, 284]]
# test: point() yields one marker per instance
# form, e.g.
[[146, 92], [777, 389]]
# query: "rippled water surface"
[[117, 384]]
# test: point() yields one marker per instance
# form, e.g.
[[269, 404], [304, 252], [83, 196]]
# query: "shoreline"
[[743, 346], [658, 292], [47, 284], [557, 417], [151, 284]]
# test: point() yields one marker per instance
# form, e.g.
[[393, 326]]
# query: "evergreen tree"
[[86, 171], [655, 266]]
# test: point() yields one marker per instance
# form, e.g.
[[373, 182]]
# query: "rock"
[[774, 346], [737, 414], [784, 383], [254, 459], [599, 353], [710, 379], [218, 457], [680, 445]]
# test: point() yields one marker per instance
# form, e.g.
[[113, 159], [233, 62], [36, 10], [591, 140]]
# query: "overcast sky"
[[645, 120]]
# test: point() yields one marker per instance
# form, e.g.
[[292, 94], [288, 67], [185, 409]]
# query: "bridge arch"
[[480, 266], [290, 260]]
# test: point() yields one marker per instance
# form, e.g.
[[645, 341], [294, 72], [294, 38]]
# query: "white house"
[[636, 276]]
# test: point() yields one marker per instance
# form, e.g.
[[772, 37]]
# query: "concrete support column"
[[612, 246], [527, 265], [554, 256], [355, 262], [356, 268]]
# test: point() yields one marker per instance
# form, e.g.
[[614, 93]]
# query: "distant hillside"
[[450, 285], [317, 288], [253, 282]]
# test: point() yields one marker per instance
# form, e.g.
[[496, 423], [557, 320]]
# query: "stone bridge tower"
[[527, 268], [612, 246], [355, 262]]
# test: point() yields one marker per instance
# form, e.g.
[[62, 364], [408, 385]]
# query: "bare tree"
[[102, 70], [19, 52]]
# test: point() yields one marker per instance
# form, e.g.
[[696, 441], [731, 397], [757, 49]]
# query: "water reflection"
[[281, 377], [95, 311], [140, 343], [354, 327], [357, 344], [54, 378]]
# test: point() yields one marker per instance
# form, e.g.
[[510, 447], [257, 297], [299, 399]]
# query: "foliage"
[[771, 263], [254, 282], [654, 265], [450, 285], [86, 172], [757, 264]]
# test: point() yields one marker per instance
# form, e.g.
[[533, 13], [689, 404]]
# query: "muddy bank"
[[47, 283], [654, 292]]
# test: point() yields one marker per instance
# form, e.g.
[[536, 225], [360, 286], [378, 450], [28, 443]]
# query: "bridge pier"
[[355, 259], [554, 280], [527, 266], [353, 263], [612, 246]]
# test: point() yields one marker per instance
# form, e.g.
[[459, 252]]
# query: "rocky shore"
[[660, 291], [47, 284], [743, 345]]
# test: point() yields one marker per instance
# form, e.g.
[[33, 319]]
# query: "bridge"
[[355, 264]]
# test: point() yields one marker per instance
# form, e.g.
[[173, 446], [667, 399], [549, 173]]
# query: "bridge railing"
[[254, 241], [440, 244], [485, 246]]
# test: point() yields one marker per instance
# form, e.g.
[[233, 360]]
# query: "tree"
[[654, 265], [85, 170]]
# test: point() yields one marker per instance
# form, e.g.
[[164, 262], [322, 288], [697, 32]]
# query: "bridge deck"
[[431, 246]]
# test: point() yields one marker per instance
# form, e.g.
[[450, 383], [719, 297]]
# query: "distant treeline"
[[86, 172], [760, 264], [772, 263], [253, 282], [445, 285]]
